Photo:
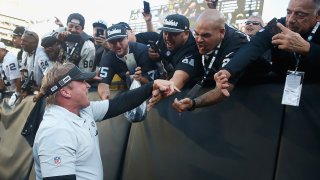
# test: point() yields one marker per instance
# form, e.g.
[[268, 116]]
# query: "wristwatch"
[[193, 105]]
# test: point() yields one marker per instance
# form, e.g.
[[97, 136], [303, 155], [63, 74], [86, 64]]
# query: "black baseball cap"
[[100, 23], [74, 74], [18, 31], [175, 23], [49, 39], [126, 25], [76, 18], [116, 31]]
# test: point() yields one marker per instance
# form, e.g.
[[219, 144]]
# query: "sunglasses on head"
[[253, 23]]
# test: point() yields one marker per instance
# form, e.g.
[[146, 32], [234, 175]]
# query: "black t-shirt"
[[186, 58], [110, 64], [281, 60], [231, 43]]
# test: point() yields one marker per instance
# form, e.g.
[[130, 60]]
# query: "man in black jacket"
[[294, 42], [217, 43]]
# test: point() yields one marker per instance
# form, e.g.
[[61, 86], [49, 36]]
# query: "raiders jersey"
[[110, 64], [38, 63], [9, 71]]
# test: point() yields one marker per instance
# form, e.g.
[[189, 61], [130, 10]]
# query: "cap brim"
[[117, 37], [84, 76], [167, 29], [74, 74]]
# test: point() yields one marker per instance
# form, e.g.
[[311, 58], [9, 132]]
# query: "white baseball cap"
[[2, 46]]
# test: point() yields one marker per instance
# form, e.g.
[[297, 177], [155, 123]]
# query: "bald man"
[[217, 43]]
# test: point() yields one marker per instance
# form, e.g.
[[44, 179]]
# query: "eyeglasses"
[[253, 23]]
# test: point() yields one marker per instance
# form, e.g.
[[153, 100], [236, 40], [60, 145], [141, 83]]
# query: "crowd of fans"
[[214, 55], [176, 53]]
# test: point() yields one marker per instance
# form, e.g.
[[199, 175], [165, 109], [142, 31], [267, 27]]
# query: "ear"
[[222, 33], [318, 16], [65, 92]]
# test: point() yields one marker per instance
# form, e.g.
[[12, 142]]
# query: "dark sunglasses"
[[253, 23]]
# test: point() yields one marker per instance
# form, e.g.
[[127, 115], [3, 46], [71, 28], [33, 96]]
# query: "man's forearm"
[[211, 97]]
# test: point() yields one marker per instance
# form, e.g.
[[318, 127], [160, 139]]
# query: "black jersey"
[[231, 43], [186, 58], [281, 60], [110, 64]]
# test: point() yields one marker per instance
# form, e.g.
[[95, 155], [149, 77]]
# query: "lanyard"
[[69, 54], [213, 59], [309, 39]]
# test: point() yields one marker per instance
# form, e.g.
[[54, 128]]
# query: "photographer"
[[100, 43], [79, 49], [35, 63]]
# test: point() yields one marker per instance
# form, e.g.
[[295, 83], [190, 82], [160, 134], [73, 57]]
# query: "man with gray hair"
[[294, 42], [253, 24]]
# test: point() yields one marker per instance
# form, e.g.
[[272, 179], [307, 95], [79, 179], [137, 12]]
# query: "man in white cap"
[[9, 74], [100, 43]]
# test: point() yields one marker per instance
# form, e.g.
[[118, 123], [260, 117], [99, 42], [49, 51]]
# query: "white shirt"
[[37, 63], [9, 71], [67, 144]]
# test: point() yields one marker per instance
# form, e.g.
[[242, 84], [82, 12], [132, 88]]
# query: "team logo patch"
[[57, 160]]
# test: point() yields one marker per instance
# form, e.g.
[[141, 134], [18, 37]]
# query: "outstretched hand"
[[161, 89], [221, 79], [290, 41], [182, 104]]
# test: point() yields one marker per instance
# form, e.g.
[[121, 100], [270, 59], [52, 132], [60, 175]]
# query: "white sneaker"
[[13, 99]]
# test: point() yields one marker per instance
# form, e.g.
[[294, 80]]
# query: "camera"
[[28, 83], [75, 38], [146, 7], [274, 29], [99, 33], [154, 46]]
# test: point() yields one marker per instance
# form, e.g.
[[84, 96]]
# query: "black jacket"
[[281, 60]]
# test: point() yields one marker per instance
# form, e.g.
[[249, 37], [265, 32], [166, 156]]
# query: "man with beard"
[[177, 52], [115, 61], [217, 43]]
